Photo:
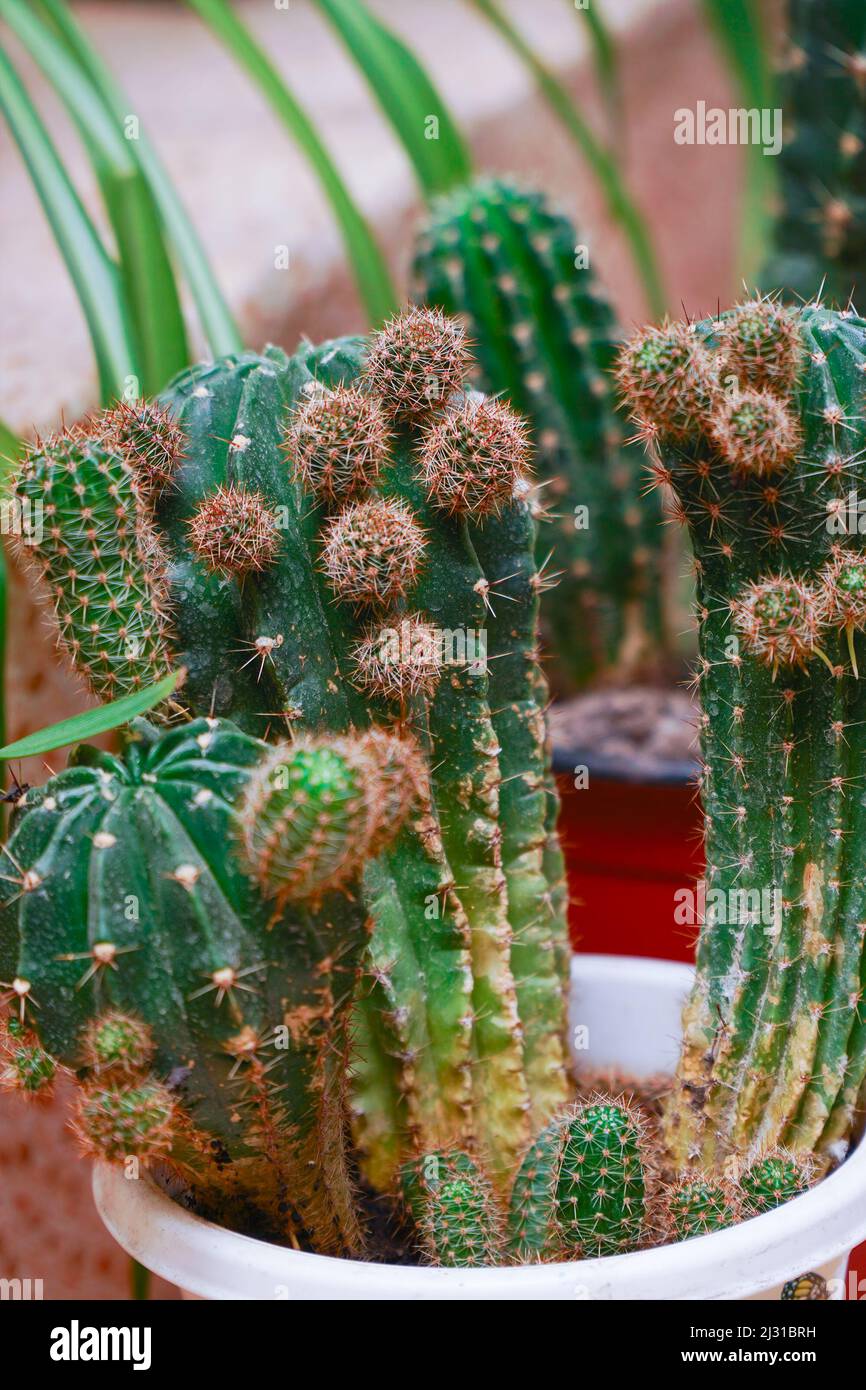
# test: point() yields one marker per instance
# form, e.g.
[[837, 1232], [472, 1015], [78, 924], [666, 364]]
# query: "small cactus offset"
[[820, 230], [101, 561], [756, 421], [544, 339], [773, 1179], [455, 1210], [696, 1206], [582, 1188]]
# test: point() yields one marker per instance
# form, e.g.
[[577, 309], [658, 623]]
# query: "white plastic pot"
[[631, 1008]]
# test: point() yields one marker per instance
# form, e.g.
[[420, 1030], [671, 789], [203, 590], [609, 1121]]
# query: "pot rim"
[[813, 1230]]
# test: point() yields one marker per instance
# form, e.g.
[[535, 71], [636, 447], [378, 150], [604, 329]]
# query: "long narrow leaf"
[[603, 165], [146, 269], [740, 32], [217, 323], [11, 449], [371, 274], [606, 64], [93, 721], [94, 274], [406, 95]]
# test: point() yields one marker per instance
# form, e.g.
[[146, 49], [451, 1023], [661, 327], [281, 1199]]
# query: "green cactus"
[[208, 1023], [347, 543], [455, 1211], [601, 1182], [774, 1031], [819, 234], [544, 338], [773, 1179], [581, 1189], [27, 1067], [695, 1206], [100, 560]]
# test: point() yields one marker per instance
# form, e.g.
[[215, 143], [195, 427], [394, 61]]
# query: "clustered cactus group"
[[308, 929], [303, 939]]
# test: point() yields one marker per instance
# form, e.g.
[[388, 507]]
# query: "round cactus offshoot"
[[476, 458], [372, 552], [416, 363], [841, 597], [668, 379], [755, 433], [115, 1042], [148, 439], [398, 662], [234, 533], [778, 621], [761, 346], [774, 1179], [115, 1122], [337, 443]]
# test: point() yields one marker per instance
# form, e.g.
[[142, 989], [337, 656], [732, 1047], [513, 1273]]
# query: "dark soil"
[[640, 733]]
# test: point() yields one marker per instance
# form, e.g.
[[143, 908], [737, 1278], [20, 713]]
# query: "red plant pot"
[[629, 846]]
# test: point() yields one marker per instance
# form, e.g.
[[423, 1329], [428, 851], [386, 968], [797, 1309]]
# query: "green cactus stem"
[[100, 559], [696, 1206], [601, 1183], [774, 1032], [819, 234], [544, 338], [455, 1210], [152, 961], [773, 1179]]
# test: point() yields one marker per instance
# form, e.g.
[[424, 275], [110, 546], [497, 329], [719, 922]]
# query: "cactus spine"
[[695, 1206], [506, 262], [774, 1032], [455, 1210], [820, 230]]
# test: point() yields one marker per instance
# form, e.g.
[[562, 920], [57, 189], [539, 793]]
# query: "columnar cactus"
[[209, 1023], [544, 339], [756, 421], [820, 231]]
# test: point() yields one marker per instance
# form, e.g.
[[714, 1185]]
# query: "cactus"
[[695, 1206], [544, 338], [100, 559], [819, 234], [773, 1179], [455, 1210], [345, 539], [582, 1186], [209, 1023], [774, 1031]]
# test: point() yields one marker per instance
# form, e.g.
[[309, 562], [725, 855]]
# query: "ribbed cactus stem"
[[544, 337], [774, 1040], [101, 560], [820, 231], [453, 1204]]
